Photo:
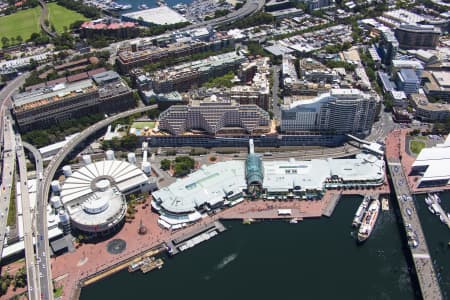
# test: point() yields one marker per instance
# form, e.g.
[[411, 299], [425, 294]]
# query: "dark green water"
[[437, 235], [314, 259]]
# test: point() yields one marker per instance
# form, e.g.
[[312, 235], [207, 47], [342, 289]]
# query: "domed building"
[[94, 195]]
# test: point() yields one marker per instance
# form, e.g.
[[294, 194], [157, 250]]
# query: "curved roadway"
[[49, 173], [250, 7], [44, 14], [40, 209]]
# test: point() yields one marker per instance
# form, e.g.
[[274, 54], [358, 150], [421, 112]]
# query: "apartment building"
[[339, 111], [215, 118]]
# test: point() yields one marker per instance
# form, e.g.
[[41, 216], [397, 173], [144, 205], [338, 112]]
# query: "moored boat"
[[428, 200], [369, 220], [431, 210], [361, 211]]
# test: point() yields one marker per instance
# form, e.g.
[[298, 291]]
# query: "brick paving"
[[12, 269], [396, 148]]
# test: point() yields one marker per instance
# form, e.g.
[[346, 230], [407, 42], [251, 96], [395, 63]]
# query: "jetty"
[[122, 265], [426, 275], [334, 200], [385, 204], [194, 237]]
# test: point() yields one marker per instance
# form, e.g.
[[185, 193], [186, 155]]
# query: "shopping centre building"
[[229, 182]]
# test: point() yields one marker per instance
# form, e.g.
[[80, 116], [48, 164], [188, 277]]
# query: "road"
[[275, 88], [27, 216], [42, 248], [250, 7], [44, 15], [5, 95], [382, 127], [428, 283], [9, 159], [43, 193]]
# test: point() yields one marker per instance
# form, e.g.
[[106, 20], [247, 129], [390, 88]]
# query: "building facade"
[[215, 118], [47, 106], [182, 77], [412, 36], [130, 59], [407, 81], [341, 111]]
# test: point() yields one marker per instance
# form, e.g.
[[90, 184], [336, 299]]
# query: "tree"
[[76, 24], [165, 164], [19, 39], [5, 42]]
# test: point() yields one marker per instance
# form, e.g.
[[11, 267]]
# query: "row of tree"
[[59, 131], [88, 11]]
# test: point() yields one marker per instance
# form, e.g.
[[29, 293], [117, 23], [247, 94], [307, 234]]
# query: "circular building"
[[94, 195]]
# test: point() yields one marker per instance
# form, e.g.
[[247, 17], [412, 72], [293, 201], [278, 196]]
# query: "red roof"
[[77, 77], [96, 71], [56, 81], [103, 25]]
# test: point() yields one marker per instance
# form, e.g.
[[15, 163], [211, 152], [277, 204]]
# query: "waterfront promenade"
[[423, 264]]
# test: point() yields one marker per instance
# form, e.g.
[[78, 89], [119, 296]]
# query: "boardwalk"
[[423, 265]]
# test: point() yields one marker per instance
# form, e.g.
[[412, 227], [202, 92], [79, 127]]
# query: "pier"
[[423, 264], [334, 200], [122, 265], [195, 237]]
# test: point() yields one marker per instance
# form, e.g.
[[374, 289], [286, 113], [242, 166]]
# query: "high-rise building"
[[408, 81], [411, 36], [340, 111], [215, 118], [388, 45]]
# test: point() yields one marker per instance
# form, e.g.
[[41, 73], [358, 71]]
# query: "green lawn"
[[416, 146], [60, 16], [22, 23], [141, 125]]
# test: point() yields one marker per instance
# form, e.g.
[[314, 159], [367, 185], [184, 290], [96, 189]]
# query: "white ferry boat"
[[361, 211], [369, 220]]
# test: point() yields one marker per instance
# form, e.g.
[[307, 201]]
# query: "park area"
[[26, 22], [22, 23], [61, 17], [143, 124]]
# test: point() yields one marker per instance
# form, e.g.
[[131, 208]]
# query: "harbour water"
[[438, 237], [150, 3], [314, 259]]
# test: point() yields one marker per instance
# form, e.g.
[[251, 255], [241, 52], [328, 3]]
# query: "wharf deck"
[[334, 200], [423, 264], [123, 265], [178, 244]]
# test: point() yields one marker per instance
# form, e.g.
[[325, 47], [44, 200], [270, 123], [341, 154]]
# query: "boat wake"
[[228, 259]]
